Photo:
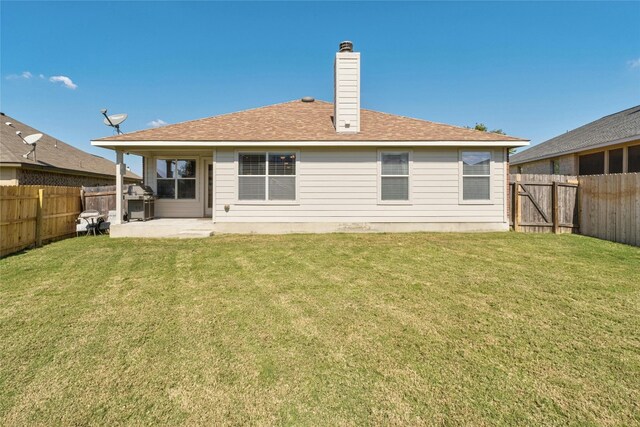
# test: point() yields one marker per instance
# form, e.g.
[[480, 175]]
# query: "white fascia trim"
[[577, 150], [201, 144]]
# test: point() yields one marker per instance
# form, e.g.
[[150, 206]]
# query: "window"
[[176, 178], [615, 161], [555, 167], [633, 164], [476, 176], [394, 177], [267, 176], [592, 164]]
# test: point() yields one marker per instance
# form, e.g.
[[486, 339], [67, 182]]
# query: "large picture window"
[[267, 176], [476, 175], [176, 178], [394, 177]]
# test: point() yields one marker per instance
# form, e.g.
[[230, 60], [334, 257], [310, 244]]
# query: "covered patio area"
[[183, 228]]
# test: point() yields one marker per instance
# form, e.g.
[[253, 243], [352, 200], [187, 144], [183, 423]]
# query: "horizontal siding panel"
[[341, 185]]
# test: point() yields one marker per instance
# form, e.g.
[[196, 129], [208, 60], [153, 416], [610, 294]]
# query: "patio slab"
[[180, 228]]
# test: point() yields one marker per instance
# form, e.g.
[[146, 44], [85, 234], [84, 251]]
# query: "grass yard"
[[480, 329]]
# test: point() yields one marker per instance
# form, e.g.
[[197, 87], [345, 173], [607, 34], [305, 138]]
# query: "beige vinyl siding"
[[347, 91], [178, 208], [341, 185]]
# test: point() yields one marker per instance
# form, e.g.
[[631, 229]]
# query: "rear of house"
[[313, 166], [610, 144]]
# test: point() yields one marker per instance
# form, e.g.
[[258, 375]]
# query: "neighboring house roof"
[[306, 121], [612, 129], [50, 152]]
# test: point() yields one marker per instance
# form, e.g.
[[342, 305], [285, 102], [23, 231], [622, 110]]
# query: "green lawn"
[[481, 329]]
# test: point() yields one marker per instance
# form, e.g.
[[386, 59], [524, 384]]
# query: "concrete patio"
[[182, 228]]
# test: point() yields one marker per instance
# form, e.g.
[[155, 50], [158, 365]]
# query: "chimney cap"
[[346, 46]]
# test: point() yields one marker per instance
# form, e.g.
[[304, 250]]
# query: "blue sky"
[[532, 69]]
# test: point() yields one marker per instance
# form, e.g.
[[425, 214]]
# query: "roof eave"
[[115, 145]]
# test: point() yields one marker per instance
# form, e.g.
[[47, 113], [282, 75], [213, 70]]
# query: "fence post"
[[556, 219], [39, 217], [516, 204]]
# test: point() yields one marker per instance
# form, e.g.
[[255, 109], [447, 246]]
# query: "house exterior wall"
[[177, 208], [568, 166], [339, 188], [8, 176]]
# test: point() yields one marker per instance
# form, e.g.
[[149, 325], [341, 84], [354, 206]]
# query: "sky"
[[534, 70]]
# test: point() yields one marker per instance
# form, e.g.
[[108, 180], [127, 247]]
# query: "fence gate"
[[544, 203]]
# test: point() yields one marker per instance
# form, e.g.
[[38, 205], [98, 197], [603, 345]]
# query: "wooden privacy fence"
[[602, 206], [610, 207], [101, 199], [31, 215], [544, 203]]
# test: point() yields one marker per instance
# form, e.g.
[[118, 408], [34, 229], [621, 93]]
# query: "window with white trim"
[[394, 176], [176, 178], [267, 176], [476, 175]]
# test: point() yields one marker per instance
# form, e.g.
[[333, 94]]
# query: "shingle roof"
[[617, 126], [50, 152], [306, 121]]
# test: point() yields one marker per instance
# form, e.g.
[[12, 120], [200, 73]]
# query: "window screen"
[[634, 158], [592, 164], [615, 161], [394, 184], [476, 175], [267, 176], [251, 188]]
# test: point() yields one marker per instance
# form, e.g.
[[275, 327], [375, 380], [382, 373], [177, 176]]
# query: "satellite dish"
[[113, 120], [32, 139]]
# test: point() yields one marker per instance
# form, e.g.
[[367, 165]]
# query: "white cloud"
[[634, 63], [157, 123], [25, 75], [41, 76], [66, 81]]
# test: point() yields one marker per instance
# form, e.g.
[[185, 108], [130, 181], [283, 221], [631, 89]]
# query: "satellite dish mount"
[[31, 140], [114, 120]]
